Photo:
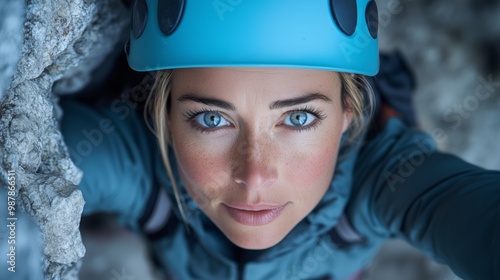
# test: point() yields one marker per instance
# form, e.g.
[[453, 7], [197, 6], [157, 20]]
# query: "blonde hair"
[[356, 96]]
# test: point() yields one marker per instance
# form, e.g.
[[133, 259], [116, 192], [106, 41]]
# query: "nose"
[[254, 164]]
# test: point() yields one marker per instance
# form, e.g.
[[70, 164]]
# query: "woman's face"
[[256, 147]]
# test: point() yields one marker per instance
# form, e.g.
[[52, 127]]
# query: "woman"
[[260, 111]]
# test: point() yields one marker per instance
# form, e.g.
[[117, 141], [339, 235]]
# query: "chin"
[[258, 238]]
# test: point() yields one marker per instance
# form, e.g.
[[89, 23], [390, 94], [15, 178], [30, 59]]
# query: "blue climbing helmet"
[[337, 35]]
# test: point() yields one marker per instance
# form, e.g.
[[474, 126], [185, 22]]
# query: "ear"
[[169, 129], [348, 116], [168, 122]]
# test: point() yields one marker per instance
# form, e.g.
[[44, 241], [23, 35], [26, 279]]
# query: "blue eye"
[[211, 120], [299, 118]]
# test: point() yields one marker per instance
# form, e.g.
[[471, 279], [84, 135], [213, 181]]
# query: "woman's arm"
[[446, 207], [118, 156]]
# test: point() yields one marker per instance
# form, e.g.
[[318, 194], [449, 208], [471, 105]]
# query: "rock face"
[[63, 41]]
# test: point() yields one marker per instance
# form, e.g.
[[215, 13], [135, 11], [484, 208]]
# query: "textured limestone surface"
[[63, 41]]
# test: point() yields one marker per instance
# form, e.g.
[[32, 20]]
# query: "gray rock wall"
[[63, 41]]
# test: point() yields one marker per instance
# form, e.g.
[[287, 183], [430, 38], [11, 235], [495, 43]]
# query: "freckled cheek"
[[310, 173], [205, 171]]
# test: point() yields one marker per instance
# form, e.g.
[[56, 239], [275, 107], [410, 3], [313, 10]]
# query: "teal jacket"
[[397, 185]]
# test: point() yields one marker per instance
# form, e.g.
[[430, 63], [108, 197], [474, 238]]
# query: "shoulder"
[[394, 146], [382, 164]]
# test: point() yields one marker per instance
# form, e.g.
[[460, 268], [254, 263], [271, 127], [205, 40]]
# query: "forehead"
[[213, 80]]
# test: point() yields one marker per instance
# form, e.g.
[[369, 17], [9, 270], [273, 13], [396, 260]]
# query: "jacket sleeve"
[[118, 156], [448, 208]]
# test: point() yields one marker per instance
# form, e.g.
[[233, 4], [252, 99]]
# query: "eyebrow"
[[299, 100], [275, 105], [208, 101]]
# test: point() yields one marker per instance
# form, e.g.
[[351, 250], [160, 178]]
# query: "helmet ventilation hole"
[[371, 16], [345, 14], [169, 15], [139, 17]]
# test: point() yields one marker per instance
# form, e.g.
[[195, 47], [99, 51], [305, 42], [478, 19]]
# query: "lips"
[[254, 215]]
